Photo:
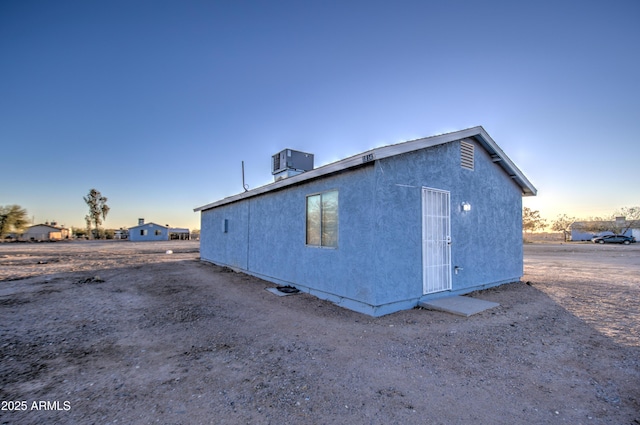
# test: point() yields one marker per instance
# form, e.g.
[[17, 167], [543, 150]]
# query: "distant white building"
[[586, 230], [46, 232], [156, 232]]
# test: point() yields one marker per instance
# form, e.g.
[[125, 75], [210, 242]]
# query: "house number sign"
[[368, 157]]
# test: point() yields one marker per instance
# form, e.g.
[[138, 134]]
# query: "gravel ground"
[[122, 332]]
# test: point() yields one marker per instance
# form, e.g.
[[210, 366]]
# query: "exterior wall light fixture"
[[466, 206]]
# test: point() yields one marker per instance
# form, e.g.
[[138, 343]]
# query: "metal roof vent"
[[289, 163], [466, 155]]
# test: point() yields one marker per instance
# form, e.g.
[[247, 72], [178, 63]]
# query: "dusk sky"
[[156, 103]]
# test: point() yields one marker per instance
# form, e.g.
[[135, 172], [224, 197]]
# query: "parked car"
[[614, 239]]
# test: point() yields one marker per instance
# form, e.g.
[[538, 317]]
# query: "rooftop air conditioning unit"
[[288, 163]]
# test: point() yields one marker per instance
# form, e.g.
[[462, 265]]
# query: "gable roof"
[[149, 224], [45, 225], [477, 133]]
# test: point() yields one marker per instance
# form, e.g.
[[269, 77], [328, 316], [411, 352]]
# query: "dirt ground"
[[125, 333]]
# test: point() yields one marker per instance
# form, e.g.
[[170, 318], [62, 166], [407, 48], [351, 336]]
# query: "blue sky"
[[156, 103]]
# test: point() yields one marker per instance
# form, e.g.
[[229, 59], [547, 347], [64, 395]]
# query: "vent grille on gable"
[[466, 155]]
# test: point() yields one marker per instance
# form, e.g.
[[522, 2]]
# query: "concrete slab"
[[462, 306]]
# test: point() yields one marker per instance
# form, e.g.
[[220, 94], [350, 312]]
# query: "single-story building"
[[46, 232], [179, 233], [380, 231], [156, 232]]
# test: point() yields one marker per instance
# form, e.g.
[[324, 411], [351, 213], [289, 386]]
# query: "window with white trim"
[[322, 219]]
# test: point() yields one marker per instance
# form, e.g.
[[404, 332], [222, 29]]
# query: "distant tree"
[[98, 210], [631, 219], [531, 220], [87, 220], [79, 232], [12, 218], [563, 224]]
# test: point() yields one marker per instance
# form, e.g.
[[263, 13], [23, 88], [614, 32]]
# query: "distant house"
[[156, 232], [46, 232], [383, 230]]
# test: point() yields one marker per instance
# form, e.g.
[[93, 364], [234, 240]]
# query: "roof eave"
[[478, 133], [498, 155], [147, 225]]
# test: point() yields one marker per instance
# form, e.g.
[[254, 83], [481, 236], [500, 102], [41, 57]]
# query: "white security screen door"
[[436, 240]]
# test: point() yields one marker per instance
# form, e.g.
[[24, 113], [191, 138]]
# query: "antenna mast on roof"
[[244, 186]]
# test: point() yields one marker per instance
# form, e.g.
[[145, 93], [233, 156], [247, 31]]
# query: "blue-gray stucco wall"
[[486, 241], [377, 267], [151, 228], [273, 245]]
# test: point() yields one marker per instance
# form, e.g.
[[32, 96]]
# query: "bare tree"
[[531, 220], [563, 224], [630, 219], [98, 210]]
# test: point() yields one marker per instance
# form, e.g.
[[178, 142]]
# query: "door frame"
[[436, 240]]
